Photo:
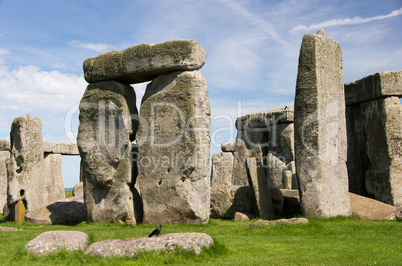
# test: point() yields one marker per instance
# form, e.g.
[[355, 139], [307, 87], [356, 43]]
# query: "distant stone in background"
[[292, 221], [174, 149], [78, 191], [222, 169], [374, 129], [227, 200], [31, 178], [4, 156], [144, 62], [53, 241], [228, 147], [320, 128], [107, 128], [239, 216]]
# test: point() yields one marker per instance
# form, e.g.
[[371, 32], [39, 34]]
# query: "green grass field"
[[327, 241]]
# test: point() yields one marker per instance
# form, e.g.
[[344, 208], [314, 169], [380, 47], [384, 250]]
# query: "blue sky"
[[252, 46]]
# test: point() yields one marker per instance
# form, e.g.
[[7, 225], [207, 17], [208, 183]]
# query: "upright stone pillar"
[[104, 139], [320, 128], [174, 149]]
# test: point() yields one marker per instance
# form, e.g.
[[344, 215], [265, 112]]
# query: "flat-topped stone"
[[265, 119], [61, 148], [4, 145], [378, 85], [168, 242], [144, 62]]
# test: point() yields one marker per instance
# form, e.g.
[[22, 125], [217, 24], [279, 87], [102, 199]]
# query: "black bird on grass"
[[156, 231]]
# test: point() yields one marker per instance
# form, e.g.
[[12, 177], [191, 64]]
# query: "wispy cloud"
[[254, 18], [97, 47], [345, 21]]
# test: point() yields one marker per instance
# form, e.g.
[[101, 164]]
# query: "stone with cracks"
[[222, 169], [168, 242], [174, 149], [31, 177], [107, 127], [144, 62], [320, 128], [53, 241]]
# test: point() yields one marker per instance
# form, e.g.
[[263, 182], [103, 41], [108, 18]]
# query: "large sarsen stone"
[[174, 149]]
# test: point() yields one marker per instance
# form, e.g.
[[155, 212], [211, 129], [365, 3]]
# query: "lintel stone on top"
[[379, 85], [60, 148], [144, 62], [265, 119]]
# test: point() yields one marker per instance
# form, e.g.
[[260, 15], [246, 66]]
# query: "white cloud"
[[97, 47], [345, 21], [28, 88]]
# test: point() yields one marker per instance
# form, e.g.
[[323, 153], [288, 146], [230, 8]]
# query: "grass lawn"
[[326, 241]]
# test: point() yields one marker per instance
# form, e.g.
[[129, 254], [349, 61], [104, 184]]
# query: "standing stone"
[[222, 169], [145, 62], [4, 155], [320, 128], [374, 126], [54, 182], [259, 183], [105, 133], [240, 158], [174, 149]]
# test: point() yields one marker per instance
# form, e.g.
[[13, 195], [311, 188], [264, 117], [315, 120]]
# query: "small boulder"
[[370, 209], [53, 241], [168, 242], [239, 216]]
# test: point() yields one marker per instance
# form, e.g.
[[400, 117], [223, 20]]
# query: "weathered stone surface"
[[53, 241], [145, 62], [4, 145], [107, 127], [54, 185], [265, 119], [259, 184], [369, 209], [31, 178], [227, 200], [239, 216], [168, 242], [274, 167], [4, 228], [228, 147], [174, 149], [239, 164], [60, 212], [78, 191], [4, 156], [383, 174], [60, 148], [263, 223], [222, 169], [320, 128], [379, 85]]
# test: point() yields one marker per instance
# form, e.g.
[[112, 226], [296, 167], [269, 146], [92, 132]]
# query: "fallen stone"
[[227, 200], [222, 169], [369, 209], [5, 228], [61, 212], [320, 128], [379, 85], [292, 221], [108, 124], [53, 241], [228, 147], [144, 62], [239, 216], [168, 242], [174, 149], [61, 148]]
